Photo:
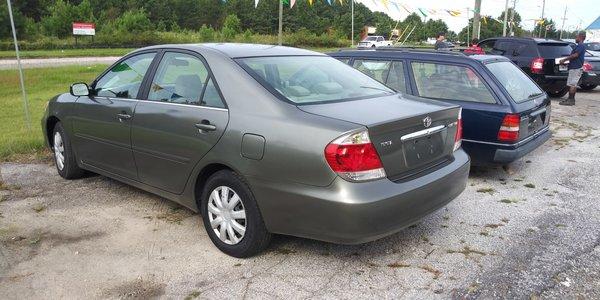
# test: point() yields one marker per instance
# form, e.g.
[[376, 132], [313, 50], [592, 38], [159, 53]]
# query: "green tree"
[[134, 21]]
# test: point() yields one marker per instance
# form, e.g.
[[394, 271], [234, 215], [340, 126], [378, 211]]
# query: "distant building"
[[593, 31]]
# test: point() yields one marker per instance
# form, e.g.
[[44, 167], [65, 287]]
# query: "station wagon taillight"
[[354, 158], [509, 130], [537, 65], [459, 129]]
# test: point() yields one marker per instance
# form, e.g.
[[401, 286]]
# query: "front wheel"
[[231, 216], [588, 87], [64, 157], [559, 93]]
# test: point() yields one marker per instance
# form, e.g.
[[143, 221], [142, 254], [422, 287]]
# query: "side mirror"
[[80, 89]]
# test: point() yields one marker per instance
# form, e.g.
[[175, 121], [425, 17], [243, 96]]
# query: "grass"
[[95, 52], [66, 53], [41, 85]]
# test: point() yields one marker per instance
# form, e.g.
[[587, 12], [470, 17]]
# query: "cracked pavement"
[[528, 231]]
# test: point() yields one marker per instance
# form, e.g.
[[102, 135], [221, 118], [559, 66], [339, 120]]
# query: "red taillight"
[[354, 157], [509, 130], [459, 129], [587, 67], [537, 65]]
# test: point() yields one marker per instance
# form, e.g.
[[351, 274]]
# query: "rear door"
[[102, 123], [178, 122]]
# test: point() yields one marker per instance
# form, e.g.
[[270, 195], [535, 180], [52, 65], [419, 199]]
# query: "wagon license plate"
[[562, 68]]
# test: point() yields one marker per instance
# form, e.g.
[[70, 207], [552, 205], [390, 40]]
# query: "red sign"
[[84, 29]]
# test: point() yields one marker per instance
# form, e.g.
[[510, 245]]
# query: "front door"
[[180, 120], [102, 126]]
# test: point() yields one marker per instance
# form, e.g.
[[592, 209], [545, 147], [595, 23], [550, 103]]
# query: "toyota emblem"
[[427, 121]]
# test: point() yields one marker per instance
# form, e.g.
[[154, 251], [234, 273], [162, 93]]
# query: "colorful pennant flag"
[[310, 2], [422, 11], [329, 2], [292, 2], [385, 4], [405, 8], [255, 3], [454, 13]]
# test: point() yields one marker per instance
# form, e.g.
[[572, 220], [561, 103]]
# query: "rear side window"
[[519, 86], [450, 82], [389, 72], [554, 50], [184, 79], [487, 46]]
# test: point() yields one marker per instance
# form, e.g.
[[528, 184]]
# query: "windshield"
[[593, 46], [520, 87], [554, 50], [370, 38], [312, 79]]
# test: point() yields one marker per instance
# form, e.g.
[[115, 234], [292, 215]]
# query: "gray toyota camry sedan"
[[262, 140]]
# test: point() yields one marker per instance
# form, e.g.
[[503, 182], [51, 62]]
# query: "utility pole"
[[468, 27], [352, 13], [505, 18], [562, 27], [542, 19], [280, 35], [477, 19], [14, 32], [512, 18]]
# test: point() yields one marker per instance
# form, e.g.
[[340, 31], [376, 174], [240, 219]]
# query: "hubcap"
[[59, 151], [227, 215]]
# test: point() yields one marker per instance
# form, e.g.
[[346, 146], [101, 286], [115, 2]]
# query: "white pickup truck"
[[374, 41]]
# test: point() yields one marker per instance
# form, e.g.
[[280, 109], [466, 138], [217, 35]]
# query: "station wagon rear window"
[[312, 79], [520, 87]]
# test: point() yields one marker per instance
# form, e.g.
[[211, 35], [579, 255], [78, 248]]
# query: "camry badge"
[[427, 121]]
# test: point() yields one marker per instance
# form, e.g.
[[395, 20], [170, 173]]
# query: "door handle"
[[123, 116], [205, 126]]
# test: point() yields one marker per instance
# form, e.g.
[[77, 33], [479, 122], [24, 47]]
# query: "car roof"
[[238, 50], [417, 53]]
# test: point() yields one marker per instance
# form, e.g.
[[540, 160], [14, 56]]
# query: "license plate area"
[[421, 150], [562, 68]]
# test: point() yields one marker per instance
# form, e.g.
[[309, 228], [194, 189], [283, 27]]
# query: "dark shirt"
[[440, 45], [577, 63]]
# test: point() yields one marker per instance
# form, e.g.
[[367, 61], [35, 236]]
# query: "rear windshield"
[[520, 87], [370, 38], [554, 50], [593, 46], [312, 79]]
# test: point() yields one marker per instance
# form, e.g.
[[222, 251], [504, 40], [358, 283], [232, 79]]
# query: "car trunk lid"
[[410, 134]]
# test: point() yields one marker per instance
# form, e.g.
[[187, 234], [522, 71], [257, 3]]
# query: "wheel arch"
[[203, 176], [50, 124]]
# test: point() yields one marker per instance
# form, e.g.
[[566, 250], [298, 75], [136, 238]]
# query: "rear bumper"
[[551, 83], [353, 213], [497, 153]]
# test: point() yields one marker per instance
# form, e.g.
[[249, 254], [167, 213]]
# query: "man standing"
[[439, 41], [575, 68]]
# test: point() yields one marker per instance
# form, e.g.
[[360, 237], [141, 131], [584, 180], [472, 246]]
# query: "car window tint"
[[520, 87], [524, 49], [343, 59], [181, 78], [554, 50], [396, 78], [487, 46], [450, 82], [502, 48], [124, 79], [377, 69]]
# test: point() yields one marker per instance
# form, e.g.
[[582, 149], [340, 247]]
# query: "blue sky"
[[579, 12]]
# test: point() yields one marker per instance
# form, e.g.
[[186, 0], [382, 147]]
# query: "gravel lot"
[[530, 231], [6, 64]]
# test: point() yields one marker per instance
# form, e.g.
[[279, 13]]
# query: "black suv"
[[537, 57]]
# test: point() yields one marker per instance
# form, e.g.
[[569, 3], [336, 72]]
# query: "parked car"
[[505, 114], [262, 139], [593, 47], [374, 41], [537, 57], [590, 79]]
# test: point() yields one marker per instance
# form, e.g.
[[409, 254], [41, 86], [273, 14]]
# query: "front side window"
[[312, 79], [520, 87], [124, 79], [450, 82], [184, 79]]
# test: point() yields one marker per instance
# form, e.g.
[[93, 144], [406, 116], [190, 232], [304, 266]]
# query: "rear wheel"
[[588, 87], [64, 158], [558, 94], [231, 216]]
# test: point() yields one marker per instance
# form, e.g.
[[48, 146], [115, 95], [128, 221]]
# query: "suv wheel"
[[558, 94], [64, 158], [231, 216]]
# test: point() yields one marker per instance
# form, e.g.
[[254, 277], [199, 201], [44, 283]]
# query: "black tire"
[[256, 237], [588, 87], [558, 94], [70, 169]]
